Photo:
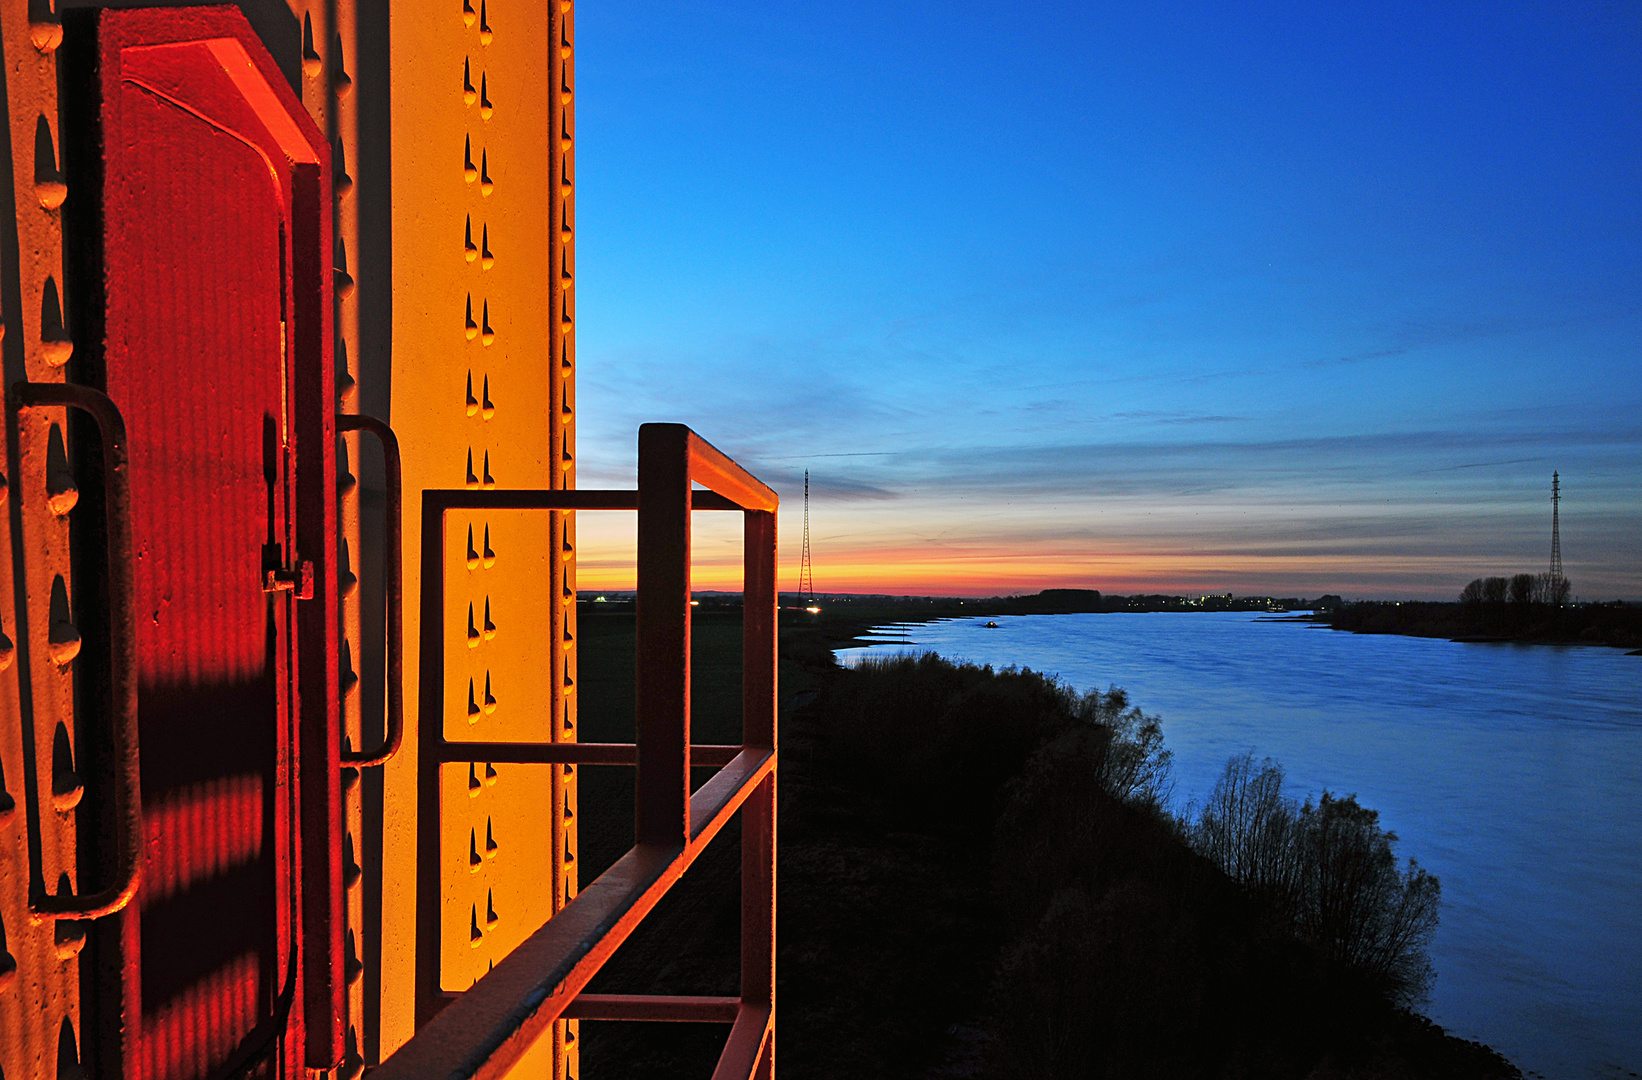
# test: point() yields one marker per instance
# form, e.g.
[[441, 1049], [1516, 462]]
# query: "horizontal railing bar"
[[485, 1031], [745, 1046], [713, 802], [569, 753], [441, 499], [703, 1010], [713, 468]]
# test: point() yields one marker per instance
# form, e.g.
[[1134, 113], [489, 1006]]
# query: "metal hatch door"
[[214, 322]]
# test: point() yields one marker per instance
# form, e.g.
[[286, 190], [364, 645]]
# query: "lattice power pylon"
[[1556, 528], [806, 580]]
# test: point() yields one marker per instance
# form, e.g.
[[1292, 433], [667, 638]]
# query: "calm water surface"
[[1514, 773]]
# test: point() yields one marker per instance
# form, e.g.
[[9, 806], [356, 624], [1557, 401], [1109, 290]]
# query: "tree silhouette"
[[1327, 869]]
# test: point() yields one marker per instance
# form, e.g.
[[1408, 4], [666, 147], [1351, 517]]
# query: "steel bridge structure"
[[289, 743]]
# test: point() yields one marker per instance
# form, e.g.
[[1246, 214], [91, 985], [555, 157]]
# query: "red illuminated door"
[[213, 301]]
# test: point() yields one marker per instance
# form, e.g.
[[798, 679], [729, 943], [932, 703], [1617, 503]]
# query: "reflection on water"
[[1514, 773]]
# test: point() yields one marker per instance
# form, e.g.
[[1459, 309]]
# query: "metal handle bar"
[[393, 586], [122, 655]]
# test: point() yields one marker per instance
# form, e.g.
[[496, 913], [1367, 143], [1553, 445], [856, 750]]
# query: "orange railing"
[[483, 1031]]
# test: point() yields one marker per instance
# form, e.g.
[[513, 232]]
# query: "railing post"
[[760, 652], [663, 677], [758, 629], [430, 739], [758, 912]]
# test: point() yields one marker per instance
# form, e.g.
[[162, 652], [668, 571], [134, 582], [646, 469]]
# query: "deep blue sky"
[[1275, 298]]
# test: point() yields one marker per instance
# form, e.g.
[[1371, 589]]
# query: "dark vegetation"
[[1326, 872], [1499, 609], [978, 878]]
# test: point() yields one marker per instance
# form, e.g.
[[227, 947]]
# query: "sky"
[[1267, 299]]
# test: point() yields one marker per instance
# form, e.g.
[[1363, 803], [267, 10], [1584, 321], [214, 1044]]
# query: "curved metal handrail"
[[394, 587], [122, 656]]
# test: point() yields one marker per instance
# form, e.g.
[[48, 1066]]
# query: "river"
[[1512, 772]]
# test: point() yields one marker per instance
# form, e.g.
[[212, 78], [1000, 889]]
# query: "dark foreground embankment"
[[965, 890]]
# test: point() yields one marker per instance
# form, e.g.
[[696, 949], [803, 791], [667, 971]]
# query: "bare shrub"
[[1327, 869]]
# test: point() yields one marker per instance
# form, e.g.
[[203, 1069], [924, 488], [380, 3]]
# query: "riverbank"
[[1615, 625], [846, 622], [1535, 955], [905, 939]]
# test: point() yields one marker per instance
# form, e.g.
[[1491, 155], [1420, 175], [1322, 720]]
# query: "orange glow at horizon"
[[986, 567], [904, 573], [1248, 543]]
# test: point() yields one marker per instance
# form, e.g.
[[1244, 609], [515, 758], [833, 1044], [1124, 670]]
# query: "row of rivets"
[[325, 105], [479, 405], [469, 17], [568, 1063], [31, 90], [478, 402]]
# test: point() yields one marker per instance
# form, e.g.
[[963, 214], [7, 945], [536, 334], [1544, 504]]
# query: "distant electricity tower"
[[1556, 591], [806, 582], [1556, 528]]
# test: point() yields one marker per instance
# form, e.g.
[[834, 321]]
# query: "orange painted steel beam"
[[760, 600], [700, 1010], [662, 687], [758, 847], [750, 1050], [671, 458], [702, 755], [41, 970], [440, 500], [713, 469], [475, 186], [482, 1032]]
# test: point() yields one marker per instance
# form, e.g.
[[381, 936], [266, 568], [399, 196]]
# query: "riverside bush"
[[1263, 939], [1327, 871], [940, 740]]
